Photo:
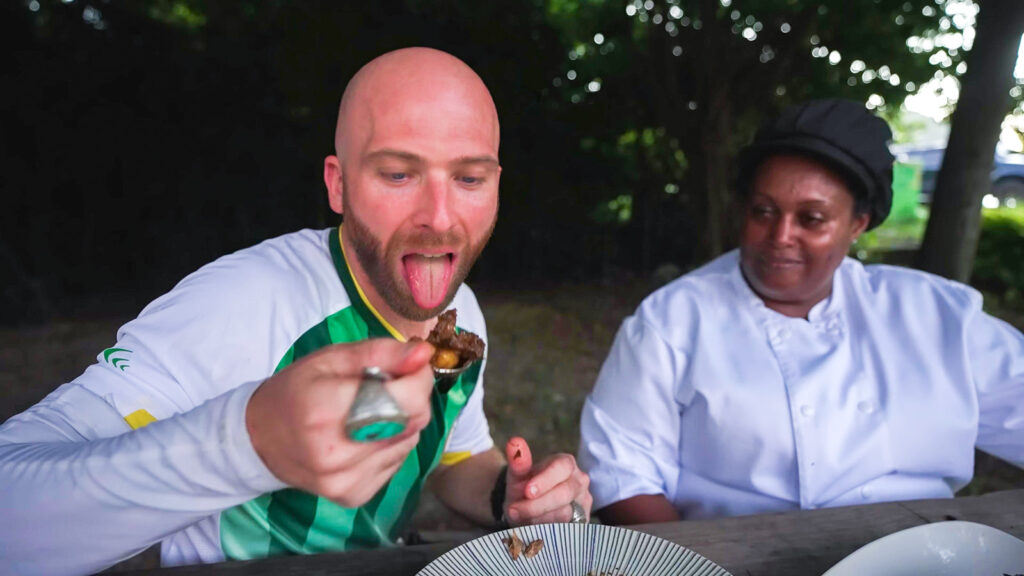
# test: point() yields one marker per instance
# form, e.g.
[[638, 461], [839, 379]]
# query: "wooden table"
[[806, 542]]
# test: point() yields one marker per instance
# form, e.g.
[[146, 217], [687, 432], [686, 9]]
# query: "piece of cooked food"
[[453, 349], [514, 545], [533, 548]]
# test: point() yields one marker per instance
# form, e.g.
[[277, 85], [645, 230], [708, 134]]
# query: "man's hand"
[[296, 419], [542, 493]]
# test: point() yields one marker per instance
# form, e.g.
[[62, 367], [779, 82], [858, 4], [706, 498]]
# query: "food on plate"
[[453, 349], [533, 548], [514, 545]]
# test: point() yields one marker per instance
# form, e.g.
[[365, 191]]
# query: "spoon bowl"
[[446, 377]]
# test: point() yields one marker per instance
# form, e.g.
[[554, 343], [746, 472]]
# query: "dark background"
[[143, 139]]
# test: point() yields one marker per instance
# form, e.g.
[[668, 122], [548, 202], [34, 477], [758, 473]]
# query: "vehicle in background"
[[1007, 175]]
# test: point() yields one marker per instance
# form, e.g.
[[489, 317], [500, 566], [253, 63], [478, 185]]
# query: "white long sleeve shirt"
[[727, 407], [150, 444]]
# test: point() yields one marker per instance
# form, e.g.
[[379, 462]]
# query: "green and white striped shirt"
[[180, 376]]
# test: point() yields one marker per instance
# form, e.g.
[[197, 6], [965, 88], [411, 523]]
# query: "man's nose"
[[434, 204]]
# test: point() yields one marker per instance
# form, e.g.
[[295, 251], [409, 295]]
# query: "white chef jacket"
[[727, 407]]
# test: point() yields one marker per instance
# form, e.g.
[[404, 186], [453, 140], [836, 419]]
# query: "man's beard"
[[375, 259]]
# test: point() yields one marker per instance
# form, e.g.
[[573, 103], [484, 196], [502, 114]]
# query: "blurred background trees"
[[703, 73], [954, 225], [143, 139]]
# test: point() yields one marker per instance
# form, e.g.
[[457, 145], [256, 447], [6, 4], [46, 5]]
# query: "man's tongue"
[[428, 278]]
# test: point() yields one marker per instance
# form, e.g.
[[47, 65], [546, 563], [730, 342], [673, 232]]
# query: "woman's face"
[[798, 225]]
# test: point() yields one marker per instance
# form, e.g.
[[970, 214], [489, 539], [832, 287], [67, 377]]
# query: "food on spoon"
[[453, 349], [445, 358]]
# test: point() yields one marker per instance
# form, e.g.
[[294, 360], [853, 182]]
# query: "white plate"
[[574, 550], [938, 549]]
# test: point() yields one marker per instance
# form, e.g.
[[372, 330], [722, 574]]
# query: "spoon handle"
[[374, 414]]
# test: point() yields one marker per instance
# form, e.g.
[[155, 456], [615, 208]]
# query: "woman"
[[785, 375]]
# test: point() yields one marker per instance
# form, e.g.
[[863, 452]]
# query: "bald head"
[[406, 85]]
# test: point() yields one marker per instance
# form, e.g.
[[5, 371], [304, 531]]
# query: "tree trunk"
[[716, 171], [951, 238], [716, 130]]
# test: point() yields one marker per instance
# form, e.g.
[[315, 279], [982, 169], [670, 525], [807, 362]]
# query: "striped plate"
[[574, 550]]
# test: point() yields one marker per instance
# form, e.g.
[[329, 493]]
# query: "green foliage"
[[999, 264], [195, 128], [618, 210], [702, 81], [187, 15]]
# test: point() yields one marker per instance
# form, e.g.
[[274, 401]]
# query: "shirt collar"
[[832, 303], [822, 311], [743, 290], [377, 326]]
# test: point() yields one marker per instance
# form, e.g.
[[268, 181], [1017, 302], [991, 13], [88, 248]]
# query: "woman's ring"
[[579, 515]]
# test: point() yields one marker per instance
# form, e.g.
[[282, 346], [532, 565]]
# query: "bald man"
[[214, 424]]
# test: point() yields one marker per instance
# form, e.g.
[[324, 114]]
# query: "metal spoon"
[[374, 414], [446, 377]]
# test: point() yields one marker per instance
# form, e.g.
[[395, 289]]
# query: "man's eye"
[[469, 180], [395, 176]]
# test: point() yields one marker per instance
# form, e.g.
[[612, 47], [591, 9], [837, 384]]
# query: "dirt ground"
[[546, 347]]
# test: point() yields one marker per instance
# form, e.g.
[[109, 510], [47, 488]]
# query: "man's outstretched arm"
[[81, 491], [74, 502]]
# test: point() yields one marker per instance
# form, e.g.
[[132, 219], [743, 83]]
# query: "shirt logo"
[[117, 357]]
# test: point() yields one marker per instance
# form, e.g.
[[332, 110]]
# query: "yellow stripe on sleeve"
[[139, 419], [453, 458]]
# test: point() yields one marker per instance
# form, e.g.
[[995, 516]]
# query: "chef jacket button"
[[866, 406], [807, 410]]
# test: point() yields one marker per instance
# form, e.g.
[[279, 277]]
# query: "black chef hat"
[[841, 134]]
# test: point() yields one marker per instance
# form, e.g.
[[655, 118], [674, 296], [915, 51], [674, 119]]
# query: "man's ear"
[[334, 182]]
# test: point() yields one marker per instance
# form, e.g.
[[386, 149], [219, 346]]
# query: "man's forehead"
[[432, 116], [412, 92]]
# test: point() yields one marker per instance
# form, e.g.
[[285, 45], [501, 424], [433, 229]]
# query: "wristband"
[[498, 497]]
